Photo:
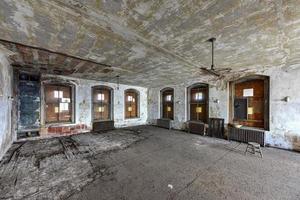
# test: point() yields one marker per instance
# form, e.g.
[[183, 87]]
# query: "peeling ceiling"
[[158, 42]]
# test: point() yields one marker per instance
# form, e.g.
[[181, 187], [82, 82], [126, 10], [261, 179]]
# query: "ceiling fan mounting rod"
[[212, 40]]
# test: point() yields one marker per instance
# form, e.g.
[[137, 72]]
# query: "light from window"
[[130, 99], [248, 92], [250, 111], [56, 109], [198, 96], [129, 109], [169, 98], [101, 109], [100, 97], [199, 109], [63, 106], [66, 100], [58, 94], [169, 109]]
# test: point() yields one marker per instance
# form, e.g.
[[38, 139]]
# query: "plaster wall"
[[216, 92], [284, 116], [83, 102], [6, 135]]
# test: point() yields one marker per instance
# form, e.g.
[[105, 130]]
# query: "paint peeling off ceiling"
[[153, 43]]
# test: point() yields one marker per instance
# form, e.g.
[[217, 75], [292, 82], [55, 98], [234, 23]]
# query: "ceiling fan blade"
[[212, 72]]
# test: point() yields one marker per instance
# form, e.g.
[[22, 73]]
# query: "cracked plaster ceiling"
[[158, 42]]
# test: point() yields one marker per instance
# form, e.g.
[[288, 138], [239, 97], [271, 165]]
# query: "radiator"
[[246, 135], [216, 128], [196, 127], [103, 126], [164, 123]]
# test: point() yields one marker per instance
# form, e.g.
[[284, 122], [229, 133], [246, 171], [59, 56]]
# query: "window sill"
[[106, 120], [251, 128], [62, 124], [132, 118]]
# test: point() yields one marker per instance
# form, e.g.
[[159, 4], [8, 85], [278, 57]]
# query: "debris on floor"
[[55, 168]]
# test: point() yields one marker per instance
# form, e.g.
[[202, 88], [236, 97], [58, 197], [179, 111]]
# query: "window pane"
[[101, 104], [101, 95], [58, 103], [167, 104], [198, 103], [131, 103], [50, 93], [198, 96], [198, 112], [251, 111], [52, 111]]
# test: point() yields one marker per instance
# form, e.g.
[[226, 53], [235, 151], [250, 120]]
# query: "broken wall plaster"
[[6, 128]]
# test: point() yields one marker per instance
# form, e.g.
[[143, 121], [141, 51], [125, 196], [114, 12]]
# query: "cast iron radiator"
[[196, 127], [246, 135], [164, 123], [103, 125], [216, 128]]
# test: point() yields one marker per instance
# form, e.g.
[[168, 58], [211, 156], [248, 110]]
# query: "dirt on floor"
[[57, 167], [146, 162]]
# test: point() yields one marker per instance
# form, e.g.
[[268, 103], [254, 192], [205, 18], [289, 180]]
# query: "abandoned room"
[[150, 99]]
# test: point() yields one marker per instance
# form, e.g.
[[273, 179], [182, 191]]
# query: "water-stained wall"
[[6, 135]]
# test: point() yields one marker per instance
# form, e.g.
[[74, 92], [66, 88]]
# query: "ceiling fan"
[[212, 69]]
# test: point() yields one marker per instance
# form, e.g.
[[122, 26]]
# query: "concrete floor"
[[146, 163]]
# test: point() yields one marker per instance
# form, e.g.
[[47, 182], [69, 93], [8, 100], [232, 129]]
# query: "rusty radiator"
[[246, 135], [164, 123], [103, 125], [196, 127]]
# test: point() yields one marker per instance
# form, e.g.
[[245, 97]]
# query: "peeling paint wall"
[[83, 106], [6, 135], [284, 116], [180, 103]]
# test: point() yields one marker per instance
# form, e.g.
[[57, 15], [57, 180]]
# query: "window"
[[131, 104], [250, 101], [58, 102], [167, 96], [198, 102], [102, 107]]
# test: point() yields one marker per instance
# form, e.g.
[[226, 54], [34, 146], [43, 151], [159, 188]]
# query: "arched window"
[[198, 102], [59, 103], [102, 103], [167, 103], [131, 103], [250, 101]]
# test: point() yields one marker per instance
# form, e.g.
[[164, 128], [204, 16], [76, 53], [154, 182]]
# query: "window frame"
[[111, 107], [266, 99], [137, 102], [44, 110], [205, 102], [165, 103]]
